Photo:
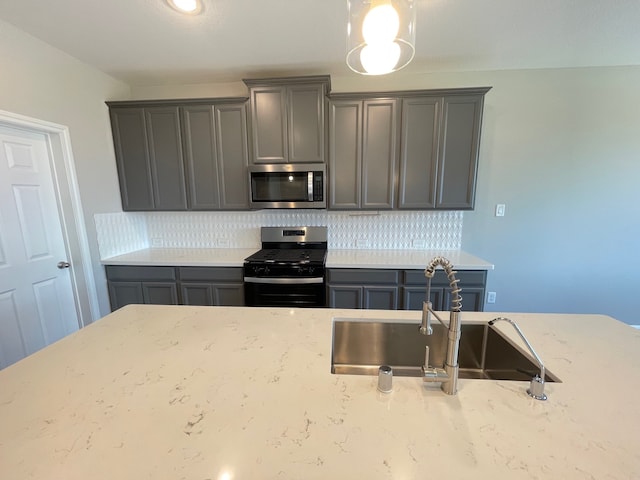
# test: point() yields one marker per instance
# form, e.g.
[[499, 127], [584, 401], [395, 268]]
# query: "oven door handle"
[[285, 281]]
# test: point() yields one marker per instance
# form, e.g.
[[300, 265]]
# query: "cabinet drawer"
[[466, 277], [140, 274], [363, 276], [210, 274]]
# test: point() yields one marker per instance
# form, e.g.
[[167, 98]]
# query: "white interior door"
[[36, 297]]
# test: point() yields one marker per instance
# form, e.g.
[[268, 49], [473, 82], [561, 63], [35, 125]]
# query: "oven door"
[[284, 291]]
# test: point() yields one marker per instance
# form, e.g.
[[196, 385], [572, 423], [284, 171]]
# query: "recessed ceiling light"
[[192, 7]]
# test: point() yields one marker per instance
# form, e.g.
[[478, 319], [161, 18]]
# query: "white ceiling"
[[144, 42]]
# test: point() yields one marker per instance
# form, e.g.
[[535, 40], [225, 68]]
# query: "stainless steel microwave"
[[289, 185]]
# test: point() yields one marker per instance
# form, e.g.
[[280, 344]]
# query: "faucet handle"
[[426, 357], [425, 326]]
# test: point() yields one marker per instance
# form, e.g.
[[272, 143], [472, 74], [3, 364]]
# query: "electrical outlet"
[[500, 209], [223, 243], [418, 243], [491, 297], [157, 242], [362, 243]]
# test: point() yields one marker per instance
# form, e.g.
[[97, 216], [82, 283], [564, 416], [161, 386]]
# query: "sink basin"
[[360, 347]]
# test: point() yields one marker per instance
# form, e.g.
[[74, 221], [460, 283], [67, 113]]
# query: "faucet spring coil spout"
[[430, 271]]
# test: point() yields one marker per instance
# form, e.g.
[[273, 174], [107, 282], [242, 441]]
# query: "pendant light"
[[381, 35], [191, 7]]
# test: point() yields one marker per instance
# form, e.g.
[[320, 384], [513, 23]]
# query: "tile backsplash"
[[120, 233]]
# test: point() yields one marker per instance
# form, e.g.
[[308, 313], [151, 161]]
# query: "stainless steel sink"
[[361, 347]]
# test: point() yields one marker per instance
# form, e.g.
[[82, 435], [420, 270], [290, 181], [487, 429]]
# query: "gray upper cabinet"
[[181, 155], [165, 153], [148, 151], [288, 119], [363, 153], [200, 157], [132, 158], [216, 156], [233, 155], [425, 160], [439, 151], [345, 157], [419, 152], [379, 153], [458, 160]]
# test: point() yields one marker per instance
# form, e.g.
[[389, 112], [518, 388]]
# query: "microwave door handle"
[[310, 186]]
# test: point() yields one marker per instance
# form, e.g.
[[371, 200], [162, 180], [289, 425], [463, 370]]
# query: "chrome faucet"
[[536, 388], [448, 374]]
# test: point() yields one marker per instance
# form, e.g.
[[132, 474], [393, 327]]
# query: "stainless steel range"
[[289, 270]]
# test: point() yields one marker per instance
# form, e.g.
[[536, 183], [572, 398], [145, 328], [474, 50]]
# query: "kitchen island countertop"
[[234, 257], [171, 392]]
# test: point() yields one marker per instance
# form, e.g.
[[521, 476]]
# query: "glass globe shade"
[[381, 24], [380, 58]]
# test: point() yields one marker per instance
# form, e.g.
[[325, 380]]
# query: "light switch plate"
[[500, 208]]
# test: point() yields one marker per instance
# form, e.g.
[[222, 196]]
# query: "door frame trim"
[[74, 232]]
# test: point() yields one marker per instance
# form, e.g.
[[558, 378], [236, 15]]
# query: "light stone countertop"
[[175, 392], [234, 257], [183, 257], [410, 259]]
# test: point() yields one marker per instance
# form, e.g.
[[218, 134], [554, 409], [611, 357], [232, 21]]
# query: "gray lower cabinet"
[[390, 289], [211, 286], [181, 156], [174, 285], [472, 283], [358, 288], [288, 119], [133, 284], [363, 153]]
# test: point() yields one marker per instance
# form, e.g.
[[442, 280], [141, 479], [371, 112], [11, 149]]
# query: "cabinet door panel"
[[345, 296], [165, 152], [419, 153], [233, 157], [200, 157], [362, 276], [124, 293], [211, 274], [459, 154], [379, 153], [472, 299], [345, 166], [132, 157], [268, 121], [306, 123], [414, 296], [231, 295], [381, 298], [196, 294], [160, 293]]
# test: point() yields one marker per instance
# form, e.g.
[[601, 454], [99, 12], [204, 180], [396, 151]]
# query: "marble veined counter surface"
[[234, 257], [223, 393], [184, 257], [410, 259]]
